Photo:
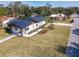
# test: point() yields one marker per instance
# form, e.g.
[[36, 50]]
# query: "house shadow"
[[61, 49], [7, 30], [73, 50]]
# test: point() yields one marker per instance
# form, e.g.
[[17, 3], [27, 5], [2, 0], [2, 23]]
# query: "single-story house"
[[4, 20], [57, 16], [26, 26]]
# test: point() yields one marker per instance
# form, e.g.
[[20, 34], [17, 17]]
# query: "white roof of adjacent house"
[[75, 15], [26, 22], [54, 15]]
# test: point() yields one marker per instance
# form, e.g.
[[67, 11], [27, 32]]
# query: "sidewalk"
[[7, 38], [61, 24]]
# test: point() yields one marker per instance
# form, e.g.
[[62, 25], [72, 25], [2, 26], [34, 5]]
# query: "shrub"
[[51, 27], [43, 31]]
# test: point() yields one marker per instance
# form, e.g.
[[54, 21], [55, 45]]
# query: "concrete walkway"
[[13, 35], [62, 24], [7, 38]]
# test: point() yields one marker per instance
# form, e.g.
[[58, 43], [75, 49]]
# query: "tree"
[[3, 10], [17, 8], [14, 8]]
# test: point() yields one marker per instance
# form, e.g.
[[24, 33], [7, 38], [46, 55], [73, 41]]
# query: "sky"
[[43, 3]]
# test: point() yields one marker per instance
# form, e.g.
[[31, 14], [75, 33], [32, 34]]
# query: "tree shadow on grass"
[[61, 49], [43, 52], [70, 51]]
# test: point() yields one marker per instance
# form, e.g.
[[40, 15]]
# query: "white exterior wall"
[[33, 27], [13, 29]]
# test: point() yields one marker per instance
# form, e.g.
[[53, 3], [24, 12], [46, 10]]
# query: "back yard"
[[51, 43]]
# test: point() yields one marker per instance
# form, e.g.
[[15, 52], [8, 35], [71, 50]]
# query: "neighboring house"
[[34, 14], [26, 26], [74, 15], [21, 16], [4, 20], [57, 16]]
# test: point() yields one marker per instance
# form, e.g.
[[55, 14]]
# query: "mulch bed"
[[46, 29]]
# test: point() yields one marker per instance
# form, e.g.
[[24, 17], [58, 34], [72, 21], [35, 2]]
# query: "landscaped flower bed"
[[51, 27]]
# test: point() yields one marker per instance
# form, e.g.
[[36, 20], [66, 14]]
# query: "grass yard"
[[48, 20], [52, 43], [3, 33], [61, 21], [58, 21]]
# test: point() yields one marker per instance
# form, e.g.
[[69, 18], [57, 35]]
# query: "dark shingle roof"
[[36, 18], [22, 23], [26, 22], [12, 21]]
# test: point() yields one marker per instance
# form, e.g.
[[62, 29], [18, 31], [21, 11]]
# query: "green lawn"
[[58, 21], [51, 43], [3, 33]]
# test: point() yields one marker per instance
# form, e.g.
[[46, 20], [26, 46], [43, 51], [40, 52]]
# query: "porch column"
[[21, 32], [10, 27]]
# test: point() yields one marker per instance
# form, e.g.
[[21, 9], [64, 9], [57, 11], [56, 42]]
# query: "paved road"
[[7, 38], [73, 44]]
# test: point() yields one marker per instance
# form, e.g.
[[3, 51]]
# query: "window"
[[36, 25], [27, 28]]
